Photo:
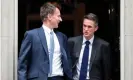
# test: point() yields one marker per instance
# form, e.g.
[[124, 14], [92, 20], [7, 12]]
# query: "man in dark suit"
[[90, 55], [43, 52]]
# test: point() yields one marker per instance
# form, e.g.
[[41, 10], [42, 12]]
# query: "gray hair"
[[46, 9]]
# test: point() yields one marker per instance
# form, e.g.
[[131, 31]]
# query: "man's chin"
[[87, 36], [56, 27]]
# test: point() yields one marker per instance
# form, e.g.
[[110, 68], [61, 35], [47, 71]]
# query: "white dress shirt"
[[78, 65], [57, 70]]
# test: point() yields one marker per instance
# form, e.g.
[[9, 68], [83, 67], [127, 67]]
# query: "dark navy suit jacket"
[[33, 61], [100, 62]]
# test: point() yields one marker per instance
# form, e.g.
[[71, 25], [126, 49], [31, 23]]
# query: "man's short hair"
[[92, 17], [46, 9]]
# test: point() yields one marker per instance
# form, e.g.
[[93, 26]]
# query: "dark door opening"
[[108, 12]]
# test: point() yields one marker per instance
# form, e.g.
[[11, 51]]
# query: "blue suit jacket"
[[33, 61], [100, 61]]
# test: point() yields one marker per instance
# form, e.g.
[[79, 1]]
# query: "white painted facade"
[[9, 39]]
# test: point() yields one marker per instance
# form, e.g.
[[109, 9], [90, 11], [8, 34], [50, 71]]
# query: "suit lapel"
[[43, 39], [93, 53], [78, 46], [60, 42], [59, 39]]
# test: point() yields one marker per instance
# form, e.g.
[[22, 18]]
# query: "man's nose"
[[86, 28], [60, 19]]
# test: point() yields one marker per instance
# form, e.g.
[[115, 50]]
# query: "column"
[[8, 39], [126, 39]]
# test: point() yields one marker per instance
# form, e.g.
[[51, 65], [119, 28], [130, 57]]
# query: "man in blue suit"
[[90, 55], [43, 53]]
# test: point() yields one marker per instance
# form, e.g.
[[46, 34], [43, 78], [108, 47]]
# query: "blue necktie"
[[84, 64], [51, 51]]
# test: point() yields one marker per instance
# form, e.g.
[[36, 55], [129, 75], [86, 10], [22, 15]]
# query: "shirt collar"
[[47, 29], [91, 40]]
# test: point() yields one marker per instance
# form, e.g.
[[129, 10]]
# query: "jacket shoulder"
[[61, 34], [76, 38], [102, 41]]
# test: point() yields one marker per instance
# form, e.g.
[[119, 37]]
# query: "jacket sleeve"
[[23, 57], [107, 62], [68, 58]]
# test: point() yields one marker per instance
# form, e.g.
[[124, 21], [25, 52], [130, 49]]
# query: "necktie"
[[84, 64], [51, 51]]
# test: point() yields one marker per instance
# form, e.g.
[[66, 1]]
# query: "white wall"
[[126, 39], [8, 39]]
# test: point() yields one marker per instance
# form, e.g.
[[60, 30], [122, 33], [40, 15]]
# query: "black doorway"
[[108, 12]]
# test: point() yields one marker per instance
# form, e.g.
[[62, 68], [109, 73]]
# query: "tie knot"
[[87, 42], [51, 32]]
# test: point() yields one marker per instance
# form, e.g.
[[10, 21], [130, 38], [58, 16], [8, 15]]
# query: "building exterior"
[[9, 39]]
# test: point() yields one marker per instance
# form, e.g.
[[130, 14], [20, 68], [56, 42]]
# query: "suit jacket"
[[100, 63], [33, 61]]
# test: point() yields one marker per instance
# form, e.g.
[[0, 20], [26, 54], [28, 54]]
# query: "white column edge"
[[15, 39], [0, 40], [122, 41]]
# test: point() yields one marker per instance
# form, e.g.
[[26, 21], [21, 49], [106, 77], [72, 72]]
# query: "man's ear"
[[96, 28], [49, 16]]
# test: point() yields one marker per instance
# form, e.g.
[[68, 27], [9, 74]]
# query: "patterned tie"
[[51, 51], [84, 65]]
